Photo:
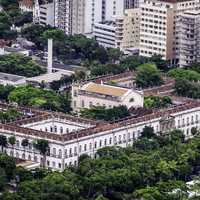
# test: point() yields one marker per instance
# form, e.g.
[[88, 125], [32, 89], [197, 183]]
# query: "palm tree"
[[3, 142], [25, 143], [43, 147], [12, 141]]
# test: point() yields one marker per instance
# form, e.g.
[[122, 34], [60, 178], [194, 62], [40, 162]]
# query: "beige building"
[[158, 27], [94, 94], [122, 32], [128, 29]]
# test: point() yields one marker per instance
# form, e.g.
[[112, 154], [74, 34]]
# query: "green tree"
[[42, 146], [8, 164], [25, 143], [20, 65], [12, 141], [3, 179], [3, 142], [148, 76]]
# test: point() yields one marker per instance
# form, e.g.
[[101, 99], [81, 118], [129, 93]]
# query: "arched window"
[[90, 145], [75, 151], [192, 119], [60, 153], [54, 151], [95, 144], [110, 140], [188, 120], [66, 155], [115, 140], [197, 118], [124, 138], [100, 143], [55, 129], [61, 129], [120, 139], [80, 148], [51, 129], [23, 156], [46, 130], [85, 147], [70, 152], [105, 142], [128, 137]]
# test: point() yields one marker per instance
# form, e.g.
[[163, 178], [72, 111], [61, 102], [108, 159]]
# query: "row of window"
[[189, 120]]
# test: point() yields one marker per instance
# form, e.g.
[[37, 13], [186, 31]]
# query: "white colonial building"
[[69, 137]]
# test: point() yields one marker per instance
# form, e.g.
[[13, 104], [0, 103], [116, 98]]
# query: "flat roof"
[[10, 77], [13, 50], [49, 77], [105, 89]]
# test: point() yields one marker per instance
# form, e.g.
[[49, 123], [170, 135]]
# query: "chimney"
[[50, 56]]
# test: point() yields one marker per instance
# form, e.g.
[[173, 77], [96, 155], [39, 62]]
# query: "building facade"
[[159, 28], [122, 32], [189, 38], [94, 94], [70, 137]]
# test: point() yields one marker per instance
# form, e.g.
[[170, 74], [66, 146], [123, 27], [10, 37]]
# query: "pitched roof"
[[105, 89]]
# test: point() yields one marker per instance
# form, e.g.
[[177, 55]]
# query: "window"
[[70, 152], [85, 147], [60, 153], [110, 141], [100, 143], [90, 146], [55, 129], [197, 118], [75, 151], [17, 143], [66, 153], [80, 148], [83, 103], [115, 140], [61, 129], [54, 151], [120, 139], [95, 145], [105, 142]]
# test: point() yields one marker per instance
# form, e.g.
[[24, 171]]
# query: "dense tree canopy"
[[148, 75], [19, 65], [186, 88], [154, 168], [41, 98], [188, 74], [107, 114], [157, 102]]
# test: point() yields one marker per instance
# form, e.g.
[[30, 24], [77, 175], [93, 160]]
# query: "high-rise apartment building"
[[79, 16], [158, 26], [128, 29], [122, 32], [63, 15], [189, 38]]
